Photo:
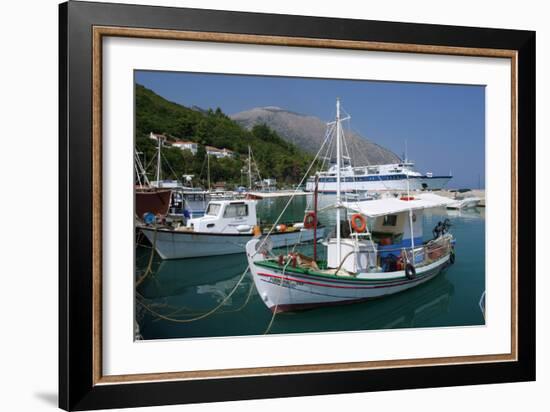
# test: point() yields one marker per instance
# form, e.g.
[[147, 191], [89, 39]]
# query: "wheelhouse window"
[[213, 209], [236, 210], [390, 220]]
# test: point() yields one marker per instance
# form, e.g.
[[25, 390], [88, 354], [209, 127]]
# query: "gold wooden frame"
[[102, 31]]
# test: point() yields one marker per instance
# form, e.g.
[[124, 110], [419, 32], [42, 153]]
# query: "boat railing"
[[419, 256], [429, 252], [400, 249]]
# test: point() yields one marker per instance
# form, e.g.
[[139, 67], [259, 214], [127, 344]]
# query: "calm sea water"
[[180, 290]]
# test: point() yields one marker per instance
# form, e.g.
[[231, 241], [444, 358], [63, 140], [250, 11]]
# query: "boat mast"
[[338, 195], [410, 220], [249, 169], [315, 197], [140, 170], [158, 159], [208, 168]]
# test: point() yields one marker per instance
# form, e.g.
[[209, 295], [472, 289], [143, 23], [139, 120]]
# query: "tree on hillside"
[[274, 156]]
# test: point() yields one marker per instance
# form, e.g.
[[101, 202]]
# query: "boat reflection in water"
[[177, 277], [182, 290], [421, 307]]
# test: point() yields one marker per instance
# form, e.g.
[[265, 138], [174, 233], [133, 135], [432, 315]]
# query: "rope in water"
[[190, 312], [202, 316], [148, 270]]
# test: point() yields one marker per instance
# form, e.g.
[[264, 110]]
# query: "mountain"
[[307, 132], [274, 156]]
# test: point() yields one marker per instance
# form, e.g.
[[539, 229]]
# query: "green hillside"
[[274, 156]]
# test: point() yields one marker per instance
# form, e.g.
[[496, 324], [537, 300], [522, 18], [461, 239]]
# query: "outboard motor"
[[438, 230], [446, 225]]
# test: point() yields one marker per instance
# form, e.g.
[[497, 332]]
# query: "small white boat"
[[464, 203], [383, 255], [225, 229]]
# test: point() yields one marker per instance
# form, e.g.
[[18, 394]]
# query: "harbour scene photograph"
[[281, 205]]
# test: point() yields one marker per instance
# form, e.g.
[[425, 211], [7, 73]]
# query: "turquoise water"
[[180, 290]]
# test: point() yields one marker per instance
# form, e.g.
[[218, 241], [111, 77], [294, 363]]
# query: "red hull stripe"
[[340, 286]]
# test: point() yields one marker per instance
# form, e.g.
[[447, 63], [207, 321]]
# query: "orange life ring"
[[359, 228], [309, 220]]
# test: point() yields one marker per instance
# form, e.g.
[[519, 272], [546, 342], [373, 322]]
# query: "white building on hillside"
[[186, 145], [219, 153], [157, 136]]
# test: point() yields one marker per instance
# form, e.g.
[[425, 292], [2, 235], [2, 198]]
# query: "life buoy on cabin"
[[410, 271], [361, 226], [309, 220]]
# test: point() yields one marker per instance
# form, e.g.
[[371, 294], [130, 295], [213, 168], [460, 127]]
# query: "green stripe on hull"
[[289, 269], [270, 264]]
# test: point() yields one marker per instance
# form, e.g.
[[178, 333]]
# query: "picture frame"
[[82, 28]]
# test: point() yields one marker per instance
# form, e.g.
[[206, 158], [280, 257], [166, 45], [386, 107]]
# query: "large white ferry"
[[377, 177]]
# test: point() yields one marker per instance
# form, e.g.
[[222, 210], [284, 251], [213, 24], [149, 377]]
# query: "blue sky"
[[444, 125]]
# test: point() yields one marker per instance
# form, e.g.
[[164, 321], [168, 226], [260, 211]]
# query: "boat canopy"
[[392, 205]]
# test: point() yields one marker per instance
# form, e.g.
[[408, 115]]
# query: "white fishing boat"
[[225, 228], [384, 252], [462, 203]]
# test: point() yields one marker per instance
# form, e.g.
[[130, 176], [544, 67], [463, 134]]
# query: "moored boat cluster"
[[377, 247]]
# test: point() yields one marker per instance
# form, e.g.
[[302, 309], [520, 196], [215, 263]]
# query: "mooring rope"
[[280, 290], [193, 312], [202, 316], [148, 270]]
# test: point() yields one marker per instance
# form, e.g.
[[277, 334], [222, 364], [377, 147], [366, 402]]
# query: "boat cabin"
[[394, 229], [226, 216], [381, 245]]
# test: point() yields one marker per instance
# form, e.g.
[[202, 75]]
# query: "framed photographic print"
[[259, 205]]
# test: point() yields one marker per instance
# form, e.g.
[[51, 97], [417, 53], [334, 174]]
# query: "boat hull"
[[284, 290], [172, 244], [464, 204], [154, 201]]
